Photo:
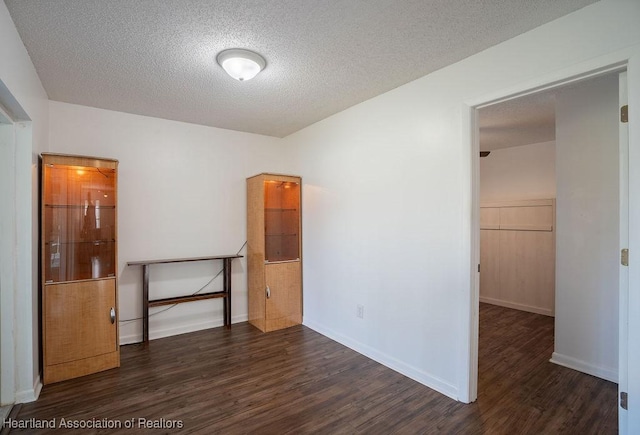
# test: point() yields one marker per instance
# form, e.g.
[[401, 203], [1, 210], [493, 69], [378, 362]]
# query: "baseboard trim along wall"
[[31, 395], [584, 367], [182, 329], [516, 306], [432, 382]]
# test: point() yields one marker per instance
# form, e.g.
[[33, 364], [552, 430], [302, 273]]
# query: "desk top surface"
[[182, 260]]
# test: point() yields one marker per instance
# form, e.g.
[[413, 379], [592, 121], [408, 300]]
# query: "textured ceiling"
[[157, 57], [522, 121]]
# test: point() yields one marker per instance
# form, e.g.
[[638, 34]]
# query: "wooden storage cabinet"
[[78, 266], [274, 251], [517, 255]]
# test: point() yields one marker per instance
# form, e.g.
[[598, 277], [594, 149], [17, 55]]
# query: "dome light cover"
[[241, 64]]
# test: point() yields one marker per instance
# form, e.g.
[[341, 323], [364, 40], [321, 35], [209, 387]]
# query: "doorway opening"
[[551, 215]]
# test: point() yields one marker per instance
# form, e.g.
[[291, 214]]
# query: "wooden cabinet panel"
[[489, 218], [78, 320], [489, 264], [256, 252], [284, 303], [527, 269], [536, 218], [517, 258]]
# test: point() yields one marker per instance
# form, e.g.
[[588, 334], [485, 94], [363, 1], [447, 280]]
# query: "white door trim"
[[7, 259], [20, 382], [633, 348], [623, 303], [628, 59]]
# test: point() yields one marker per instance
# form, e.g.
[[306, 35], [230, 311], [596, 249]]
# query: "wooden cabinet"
[[517, 255], [78, 266], [274, 251]]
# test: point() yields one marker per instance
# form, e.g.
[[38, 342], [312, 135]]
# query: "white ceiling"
[[157, 57], [522, 121]]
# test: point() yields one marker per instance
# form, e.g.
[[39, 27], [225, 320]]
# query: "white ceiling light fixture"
[[241, 64]]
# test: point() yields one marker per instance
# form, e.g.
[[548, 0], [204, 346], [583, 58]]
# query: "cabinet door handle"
[[268, 292], [113, 315]]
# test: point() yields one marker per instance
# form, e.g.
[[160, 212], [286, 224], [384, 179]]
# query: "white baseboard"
[[170, 331], [584, 367], [5, 410], [517, 306], [31, 395], [417, 375]]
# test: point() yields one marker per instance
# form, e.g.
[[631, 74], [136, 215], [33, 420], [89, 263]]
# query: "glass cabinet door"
[[282, 220], [79, 222]]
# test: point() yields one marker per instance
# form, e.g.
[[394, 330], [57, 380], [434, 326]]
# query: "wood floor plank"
[[296, 381]]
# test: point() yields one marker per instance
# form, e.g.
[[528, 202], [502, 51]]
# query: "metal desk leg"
[[227, 290]]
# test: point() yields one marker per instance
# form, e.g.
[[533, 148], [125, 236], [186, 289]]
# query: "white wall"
[[387, 211], [23, 94], [587, 237], [181, 193], [387, 188], [522, 172]]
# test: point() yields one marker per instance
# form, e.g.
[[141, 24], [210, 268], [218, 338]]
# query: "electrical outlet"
[[360, 312]]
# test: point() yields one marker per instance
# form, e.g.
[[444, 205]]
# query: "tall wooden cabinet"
[[517, 255], [274, 251], [78, 266]]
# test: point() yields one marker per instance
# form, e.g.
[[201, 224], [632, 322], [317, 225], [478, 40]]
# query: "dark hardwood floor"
[[297, 381]]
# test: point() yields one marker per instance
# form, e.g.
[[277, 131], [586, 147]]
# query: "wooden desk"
[[225, 293]]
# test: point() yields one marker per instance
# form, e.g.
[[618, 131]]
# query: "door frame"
[[616, 62], [18, 259], [623, 297], [7, 267]]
